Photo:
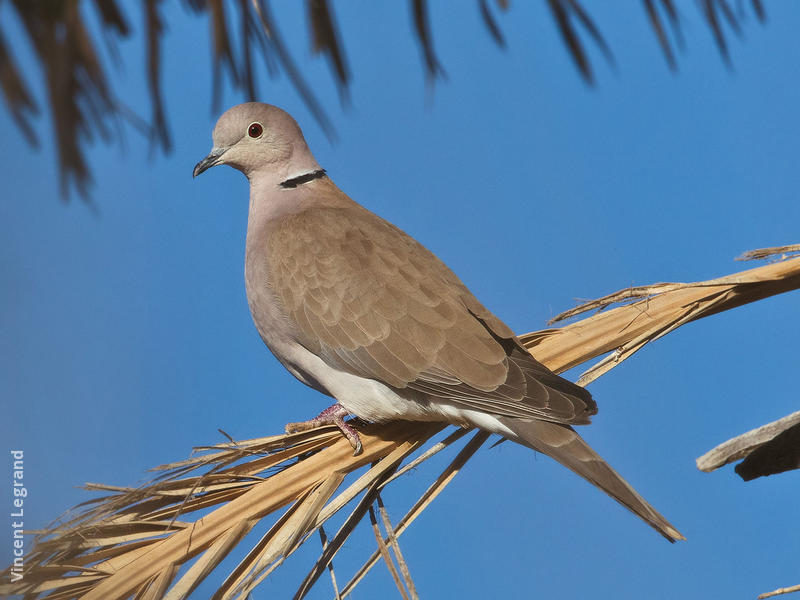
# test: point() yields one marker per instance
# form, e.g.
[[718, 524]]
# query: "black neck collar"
[[301, 179]]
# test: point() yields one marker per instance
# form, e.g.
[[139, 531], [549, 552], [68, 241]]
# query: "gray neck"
[[269, 201]]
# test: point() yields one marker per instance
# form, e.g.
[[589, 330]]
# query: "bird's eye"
[[255, 130]]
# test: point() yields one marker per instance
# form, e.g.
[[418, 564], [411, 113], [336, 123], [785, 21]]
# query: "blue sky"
[[127, 338]]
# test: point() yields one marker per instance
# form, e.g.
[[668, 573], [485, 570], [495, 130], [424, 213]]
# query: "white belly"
[[373, 401]]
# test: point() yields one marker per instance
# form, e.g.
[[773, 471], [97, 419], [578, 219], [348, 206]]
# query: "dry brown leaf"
[[384, 552], [420, 505], [762, 253], [779, 592], [265, 553], [658, 309], [401, 561], [324, 539], [742, 445], [208, 561]]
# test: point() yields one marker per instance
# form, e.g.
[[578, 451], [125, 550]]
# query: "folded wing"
[[372, 301]]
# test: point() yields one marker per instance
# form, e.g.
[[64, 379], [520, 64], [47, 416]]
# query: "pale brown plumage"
[[374, 302], [359, 310]]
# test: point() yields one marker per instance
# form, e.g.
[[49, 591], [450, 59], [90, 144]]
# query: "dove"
[[357, 309]]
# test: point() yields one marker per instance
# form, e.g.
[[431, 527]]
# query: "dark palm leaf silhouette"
[[83, 104]]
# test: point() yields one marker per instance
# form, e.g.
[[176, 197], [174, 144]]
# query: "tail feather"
[[563, 443]]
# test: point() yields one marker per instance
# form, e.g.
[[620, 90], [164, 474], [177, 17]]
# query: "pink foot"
[[333, 415]]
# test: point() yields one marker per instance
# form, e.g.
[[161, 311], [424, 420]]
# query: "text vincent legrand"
[[17, 512]]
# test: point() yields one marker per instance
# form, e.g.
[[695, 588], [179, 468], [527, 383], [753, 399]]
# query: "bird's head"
[[259, 138]]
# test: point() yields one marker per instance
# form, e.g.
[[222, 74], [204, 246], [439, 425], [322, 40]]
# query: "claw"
[[352, 437], [333, 415]]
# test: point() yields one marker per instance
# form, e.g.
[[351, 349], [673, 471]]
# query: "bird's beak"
[[209, 161]]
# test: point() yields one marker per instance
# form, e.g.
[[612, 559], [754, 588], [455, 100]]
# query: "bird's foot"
[[333, 415]]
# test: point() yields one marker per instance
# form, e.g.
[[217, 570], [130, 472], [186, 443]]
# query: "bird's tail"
[[563, 443]]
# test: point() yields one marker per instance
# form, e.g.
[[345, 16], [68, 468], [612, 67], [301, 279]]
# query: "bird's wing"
[[370, 300]]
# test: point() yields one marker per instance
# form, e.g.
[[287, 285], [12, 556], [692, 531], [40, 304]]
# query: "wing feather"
[[373, 302]]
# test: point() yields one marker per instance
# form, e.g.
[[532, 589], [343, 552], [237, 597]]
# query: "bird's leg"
[[333, 415]]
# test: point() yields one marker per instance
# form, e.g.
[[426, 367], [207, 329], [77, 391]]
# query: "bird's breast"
[[268, 315]]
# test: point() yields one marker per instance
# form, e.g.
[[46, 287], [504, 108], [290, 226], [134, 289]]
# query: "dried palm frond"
[[79, 96], [133, 541], [769, 449], [779, 592], [653, 311], [83, 104], [774, 253]]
